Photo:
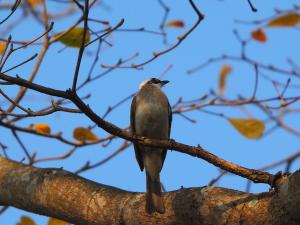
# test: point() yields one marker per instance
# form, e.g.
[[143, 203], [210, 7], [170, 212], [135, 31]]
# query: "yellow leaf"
[[2, 47], [26, 221], [34, 2], [73, 38], [250, 128], [176, 24], [53, 221], [42, 128], [287, 20], [83, 135], [225, 70], [259, 35]]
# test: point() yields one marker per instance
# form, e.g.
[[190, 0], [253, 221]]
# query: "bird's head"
[[154, 82]]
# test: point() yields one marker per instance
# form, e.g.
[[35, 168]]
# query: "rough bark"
[[60, 194]]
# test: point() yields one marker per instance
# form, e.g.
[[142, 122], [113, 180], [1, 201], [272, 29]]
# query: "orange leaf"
[[26, 221], [34, 2], [259, 35], [2, 47], [53, 221], [83, 135], [287, 20], [42, 128], [176, 24], [225, 70]]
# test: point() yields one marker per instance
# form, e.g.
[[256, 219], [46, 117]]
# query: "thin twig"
[[21, 63], [89, 166], [13, 9], [82, 45], [252, 6], [29, 157]]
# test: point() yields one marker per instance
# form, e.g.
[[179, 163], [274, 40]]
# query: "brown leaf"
[[249, 128], [225, 70], [53, 221], [259, 35], [175, 23], [83, 134], [287, 20], [26, 221], [42, 128]]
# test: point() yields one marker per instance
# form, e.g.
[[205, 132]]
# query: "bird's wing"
[[137, 150], [164, 153], [170, 118]]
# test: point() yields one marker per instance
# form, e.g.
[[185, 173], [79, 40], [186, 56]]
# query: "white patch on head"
[[158, 85], [142, 84]]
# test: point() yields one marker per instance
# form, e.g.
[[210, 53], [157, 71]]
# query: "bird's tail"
[[154, 199]]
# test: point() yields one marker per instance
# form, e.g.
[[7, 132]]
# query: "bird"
[[151, 117]]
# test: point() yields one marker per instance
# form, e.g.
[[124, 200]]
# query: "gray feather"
[[151, 117]]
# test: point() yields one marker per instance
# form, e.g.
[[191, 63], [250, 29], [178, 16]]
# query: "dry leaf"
[[84, 135], [73, 38], [2, 47], [259, 35], [175, 23], [53, 221], [287, 20], [34, 2], [26, 221], [225, 70], [249, 128], [42, 128]]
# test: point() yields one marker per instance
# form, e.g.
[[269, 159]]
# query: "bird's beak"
[[164, 82]]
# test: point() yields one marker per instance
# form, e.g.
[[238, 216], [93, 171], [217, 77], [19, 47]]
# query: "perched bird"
[[151, 117]]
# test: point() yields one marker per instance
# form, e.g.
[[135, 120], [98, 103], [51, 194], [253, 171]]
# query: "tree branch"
[[82, 46], [63, 195], [251, 174], [180, 39]]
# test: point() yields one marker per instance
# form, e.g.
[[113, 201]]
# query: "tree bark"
[[61, 194]]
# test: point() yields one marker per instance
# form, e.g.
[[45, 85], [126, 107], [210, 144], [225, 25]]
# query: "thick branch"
[[60, 194]]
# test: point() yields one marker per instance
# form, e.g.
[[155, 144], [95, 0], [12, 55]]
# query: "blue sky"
[[212, 38]]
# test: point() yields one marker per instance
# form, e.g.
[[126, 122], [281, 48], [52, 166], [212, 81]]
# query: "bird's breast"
[[152, 119]]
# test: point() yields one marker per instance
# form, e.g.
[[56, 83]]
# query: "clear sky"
[[212, 38]]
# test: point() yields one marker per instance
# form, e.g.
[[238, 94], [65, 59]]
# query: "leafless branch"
[[180, 39], [82, 46], [252, 6]]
